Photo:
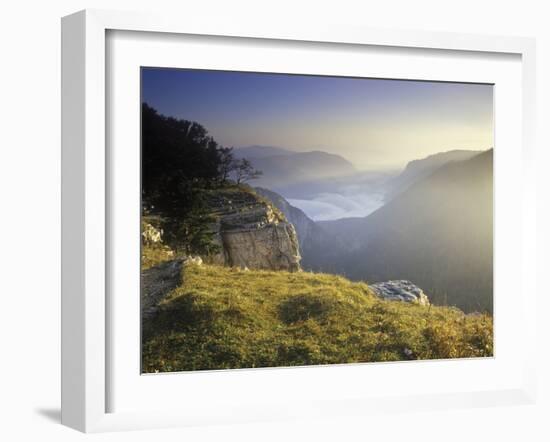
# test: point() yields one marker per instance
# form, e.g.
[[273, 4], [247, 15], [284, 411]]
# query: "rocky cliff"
[[252, 233], [305, 227], [314, 240]]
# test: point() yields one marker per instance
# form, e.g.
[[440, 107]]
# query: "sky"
[[374, 123]]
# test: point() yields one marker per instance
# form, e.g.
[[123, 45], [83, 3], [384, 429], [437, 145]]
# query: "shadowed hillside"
[[418, 169]]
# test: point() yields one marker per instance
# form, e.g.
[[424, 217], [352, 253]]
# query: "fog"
[[331, 206]]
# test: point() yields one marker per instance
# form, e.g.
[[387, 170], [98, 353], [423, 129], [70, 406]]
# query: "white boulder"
[[400, 290]]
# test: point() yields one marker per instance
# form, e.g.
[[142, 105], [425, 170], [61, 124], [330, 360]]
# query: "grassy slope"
[[155, 255], [227, 318]]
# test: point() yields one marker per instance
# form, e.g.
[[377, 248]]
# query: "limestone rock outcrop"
[[306, 229], [400, 290], [150, 234], [252, 233]]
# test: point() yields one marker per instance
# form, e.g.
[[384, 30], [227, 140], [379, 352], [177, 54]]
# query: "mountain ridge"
[[259, 151], [299, 167], [418, 169]]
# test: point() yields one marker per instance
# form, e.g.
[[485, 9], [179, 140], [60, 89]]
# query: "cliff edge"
[[251, 232]]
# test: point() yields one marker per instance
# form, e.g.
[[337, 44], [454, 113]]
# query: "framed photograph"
[[263, 222]]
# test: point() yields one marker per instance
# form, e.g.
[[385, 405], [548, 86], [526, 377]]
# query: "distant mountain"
[[418, 169], [250, 152], [438, 234], [280, 171]]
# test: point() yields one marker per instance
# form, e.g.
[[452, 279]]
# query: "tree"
[[175, 153], [180, 164], [193, 234], [189, 230], [227, 163], [244, 171]]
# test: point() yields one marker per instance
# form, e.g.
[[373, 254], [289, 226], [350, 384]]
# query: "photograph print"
[[298, 220]]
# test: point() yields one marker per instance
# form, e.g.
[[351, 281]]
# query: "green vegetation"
[[224, 317], [181, 164], [154, 255]]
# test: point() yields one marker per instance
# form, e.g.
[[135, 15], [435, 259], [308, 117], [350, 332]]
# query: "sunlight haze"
[[373, 123]]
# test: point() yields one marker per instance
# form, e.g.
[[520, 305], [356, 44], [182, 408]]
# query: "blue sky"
[[372, 122]]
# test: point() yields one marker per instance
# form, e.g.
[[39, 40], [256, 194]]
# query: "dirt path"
[[156, 283]]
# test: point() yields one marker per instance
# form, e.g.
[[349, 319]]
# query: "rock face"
[[150, 234], [400, 290], [305, 227], [271, 247], [252, 233], [314, 240]]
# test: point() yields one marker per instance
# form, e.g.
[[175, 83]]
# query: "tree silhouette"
[[244, 171], [175, 154], [227, 163], [180, 161]]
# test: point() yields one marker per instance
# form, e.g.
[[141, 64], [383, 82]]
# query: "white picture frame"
[[86, 356]]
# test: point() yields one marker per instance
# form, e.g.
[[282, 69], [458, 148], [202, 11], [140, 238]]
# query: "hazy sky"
[[372, 123]]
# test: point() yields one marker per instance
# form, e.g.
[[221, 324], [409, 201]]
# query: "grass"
[[156, 254], [228, 318]]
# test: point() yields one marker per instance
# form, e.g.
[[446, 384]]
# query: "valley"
[[432, 225]]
